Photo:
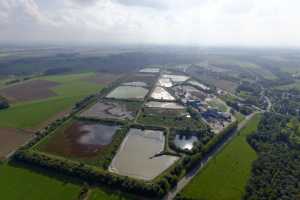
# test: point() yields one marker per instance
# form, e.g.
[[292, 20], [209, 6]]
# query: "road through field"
[[187, 178]]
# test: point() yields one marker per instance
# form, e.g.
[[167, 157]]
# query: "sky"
[[178, 22]]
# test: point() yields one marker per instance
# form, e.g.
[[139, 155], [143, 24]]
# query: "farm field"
[[225, 177], [11, 139], [18, 183], [29, 91], [219, 83], [40, 111], [70, 89]]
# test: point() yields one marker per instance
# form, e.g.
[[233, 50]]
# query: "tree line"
[[276, 172]]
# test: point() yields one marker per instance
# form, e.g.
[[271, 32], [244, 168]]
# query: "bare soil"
[[29, 91], [104, 78], [11, 139]]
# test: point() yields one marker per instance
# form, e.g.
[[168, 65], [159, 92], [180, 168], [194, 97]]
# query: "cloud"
[[201, 22]]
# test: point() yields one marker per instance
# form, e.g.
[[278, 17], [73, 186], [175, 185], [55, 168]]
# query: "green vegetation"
[[100, 194], [295, 85], [18, 183], [275, 174], [218, 104], [74, 84], [225, 176], [239, 116], [171, 121], [32, 114]]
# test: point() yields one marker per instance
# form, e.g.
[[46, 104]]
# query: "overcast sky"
[[187, 22]]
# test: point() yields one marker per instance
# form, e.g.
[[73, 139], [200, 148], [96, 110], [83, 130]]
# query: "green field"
[[225, 177], [22, 184], [239, 116], [32, 114]]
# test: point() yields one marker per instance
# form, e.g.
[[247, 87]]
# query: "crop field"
[[226, 175], [70, 89], [78, 140], [18, 183], [219, 83], [103, 78], [29, 91], [11, 139], [31, 115]]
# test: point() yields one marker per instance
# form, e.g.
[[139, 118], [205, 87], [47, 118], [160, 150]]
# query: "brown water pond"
[[81, 139]]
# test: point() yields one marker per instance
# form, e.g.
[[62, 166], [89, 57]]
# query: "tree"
[[3, 104]]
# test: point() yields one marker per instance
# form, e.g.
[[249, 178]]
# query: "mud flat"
[[136, 156], [128, 92], [200, 85], [166, 105], [108, 110], [165, 82], [81, 139], [185, 142], [150, 70], [136, 84], [160, 93]]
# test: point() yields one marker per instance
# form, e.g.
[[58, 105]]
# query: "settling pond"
[[136, 156], [128, 92], [81, 139], [166, 105], [110, 110], [150, 70], [185, 142], [136, 84], [160, 93]]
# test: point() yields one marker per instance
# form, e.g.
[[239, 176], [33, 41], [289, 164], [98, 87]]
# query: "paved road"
[[185, 180]]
